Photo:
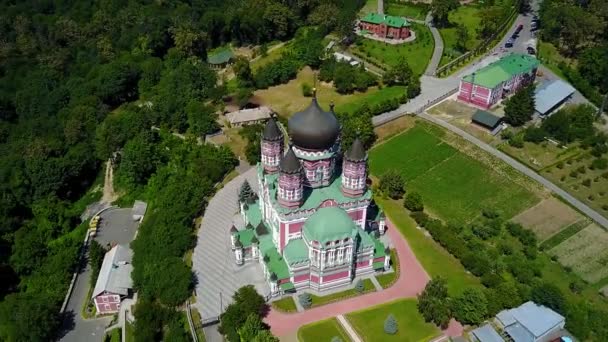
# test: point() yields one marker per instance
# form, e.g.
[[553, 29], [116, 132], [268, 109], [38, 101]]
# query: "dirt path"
[[109, 195]]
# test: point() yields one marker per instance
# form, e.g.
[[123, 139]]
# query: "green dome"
[[329, 224]]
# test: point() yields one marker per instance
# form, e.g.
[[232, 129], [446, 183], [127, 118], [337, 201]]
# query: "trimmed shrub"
[[359, 286], [413, 202], [305, 300], [390, 325]]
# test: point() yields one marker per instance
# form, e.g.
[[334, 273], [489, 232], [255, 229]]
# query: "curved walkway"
[[411, 282], [431, 68]]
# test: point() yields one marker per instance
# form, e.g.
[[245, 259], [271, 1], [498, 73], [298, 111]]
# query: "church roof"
[[296, 252], [313, 128], [290, 163], [356, 152], [272, 131], [329, 224]]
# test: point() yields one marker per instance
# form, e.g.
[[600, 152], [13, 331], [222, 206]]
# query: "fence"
[[479, 50], [191, 323], [437, 100]]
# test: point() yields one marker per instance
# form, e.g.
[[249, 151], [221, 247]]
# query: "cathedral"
[[312, 224]]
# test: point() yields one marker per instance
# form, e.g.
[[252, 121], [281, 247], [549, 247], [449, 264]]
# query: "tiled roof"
[[296, 252], [329, 224], [379, 248], [389, 20], [276, 263], [246, 236], [502, 70]]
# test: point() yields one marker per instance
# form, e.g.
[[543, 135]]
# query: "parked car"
[[519, 28], [531, 50], [509, 43]]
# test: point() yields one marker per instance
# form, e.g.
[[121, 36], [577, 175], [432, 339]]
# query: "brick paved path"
[[412, 280]]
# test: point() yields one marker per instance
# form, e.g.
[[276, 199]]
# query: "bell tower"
[[271, 146], [354, 170], [290, 189]]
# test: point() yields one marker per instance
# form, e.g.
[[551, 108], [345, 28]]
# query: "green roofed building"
[[486, 119], [385, 26], [220, 59], [490, 84], [313, 223]]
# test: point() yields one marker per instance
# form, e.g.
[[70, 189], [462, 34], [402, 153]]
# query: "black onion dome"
[[290, 163], [272, 131], [313, 128], [356, 152]]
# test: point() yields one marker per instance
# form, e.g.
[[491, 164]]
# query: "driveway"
[[117, 226]]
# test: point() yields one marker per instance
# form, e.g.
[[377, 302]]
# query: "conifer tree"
[[390, 325], [246, 194]]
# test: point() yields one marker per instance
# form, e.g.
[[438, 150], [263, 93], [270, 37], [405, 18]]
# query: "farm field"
[[586, 253], [322, 331], [416, 53], [287, 99], [455, 186], [548, 218], [540, 156], [369, 323], [582, 181], [406, 9]]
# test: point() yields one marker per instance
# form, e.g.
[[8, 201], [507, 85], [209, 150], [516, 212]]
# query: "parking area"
[[116, 226]]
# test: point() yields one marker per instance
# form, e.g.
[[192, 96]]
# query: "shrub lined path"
[[411, 281]]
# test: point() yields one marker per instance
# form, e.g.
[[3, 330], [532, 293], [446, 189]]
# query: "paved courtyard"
[[213, 262]]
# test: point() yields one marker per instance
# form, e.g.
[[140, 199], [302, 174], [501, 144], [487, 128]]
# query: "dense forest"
[[81, 80], [579, 30]]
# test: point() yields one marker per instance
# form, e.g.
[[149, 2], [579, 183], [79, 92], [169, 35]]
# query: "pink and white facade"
[[498, 80], [316, 206]]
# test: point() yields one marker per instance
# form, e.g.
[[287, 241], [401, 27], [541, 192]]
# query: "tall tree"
[[471, 307], [433, 302], [441, 10], [520, 107]]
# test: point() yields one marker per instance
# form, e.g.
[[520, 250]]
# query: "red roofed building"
[[385, 26]]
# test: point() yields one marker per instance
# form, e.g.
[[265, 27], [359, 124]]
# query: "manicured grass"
[[286, 305], [113, 335], [273, 54], [370, 6], [287, 99], [388, 279], [416, 53], [369, 323], [406, 9], [454, 186], [437, 262], [330, 298], [322, 331]]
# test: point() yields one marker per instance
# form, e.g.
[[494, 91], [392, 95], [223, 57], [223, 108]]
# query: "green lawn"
[[285, 304], [417, 53], [369, 323], [322, 331], [437, 262], [322, 300], [388, 279], [464, 15], [454, 186], [371, 99], [406, 9]]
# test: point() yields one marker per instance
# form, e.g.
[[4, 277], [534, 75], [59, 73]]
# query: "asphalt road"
[[117, 226], [521, 168]]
